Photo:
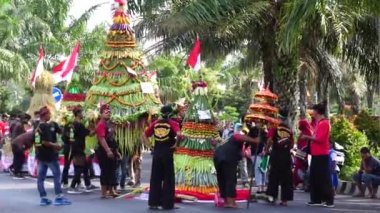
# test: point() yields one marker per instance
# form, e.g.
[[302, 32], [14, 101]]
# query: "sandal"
[[106, 197], [114, 195]]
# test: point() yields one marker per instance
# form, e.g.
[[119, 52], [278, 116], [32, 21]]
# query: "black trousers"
[[226, 176], [90, 166], [280, 176], [18, 159], [78, 171], [108, 169], [321, 189], [162, 180], [67, 162]]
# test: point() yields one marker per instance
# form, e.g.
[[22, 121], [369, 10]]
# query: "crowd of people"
[[49, 139], [278, 161], [287, 167]]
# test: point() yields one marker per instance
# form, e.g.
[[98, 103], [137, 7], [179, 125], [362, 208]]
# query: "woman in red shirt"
[[321, 193], [301, 162]]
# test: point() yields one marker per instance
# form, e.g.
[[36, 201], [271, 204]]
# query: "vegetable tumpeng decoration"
[[124, 84]]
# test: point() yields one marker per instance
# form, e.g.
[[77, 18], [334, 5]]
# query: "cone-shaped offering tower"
[[123, 83], [194, 167], [263, 111]]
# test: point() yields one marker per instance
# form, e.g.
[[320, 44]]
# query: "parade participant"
[[2, 127], [107, 153], [36, 119], [47, 155], [123, 170], [226, 159], [259, 131], [135, 167], [79, 133], [320, 177], [280, 172], [243, 168], [162, 180], [18, 128], [301, 164], [67, 146]]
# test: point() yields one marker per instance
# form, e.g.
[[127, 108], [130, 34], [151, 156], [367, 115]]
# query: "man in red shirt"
[[162, 181], [107, 153], [321, 193]]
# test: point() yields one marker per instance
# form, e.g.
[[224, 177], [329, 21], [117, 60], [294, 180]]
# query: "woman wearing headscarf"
[[226, 159], [301, 165], [280, 170]]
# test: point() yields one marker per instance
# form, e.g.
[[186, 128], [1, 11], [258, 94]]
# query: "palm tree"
[[31, 23], [279, 29], [343, 27], [362, 51]]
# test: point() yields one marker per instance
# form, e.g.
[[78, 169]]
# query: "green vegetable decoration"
[[194, 168], [123, 83]]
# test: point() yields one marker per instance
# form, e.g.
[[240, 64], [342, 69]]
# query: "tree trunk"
[[286, 85], [370, 94], [326, 95], [280, 70], [303, 92], [268, 49]]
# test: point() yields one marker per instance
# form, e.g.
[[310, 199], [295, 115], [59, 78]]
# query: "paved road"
[[21, 196]]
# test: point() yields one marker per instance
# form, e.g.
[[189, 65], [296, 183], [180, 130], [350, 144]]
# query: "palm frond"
[[362, 51], [12, 66], [83, 19]]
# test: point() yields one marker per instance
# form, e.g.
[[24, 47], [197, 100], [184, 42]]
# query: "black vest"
[[110, 138], [164, 136], [282, 145], [231, 151]]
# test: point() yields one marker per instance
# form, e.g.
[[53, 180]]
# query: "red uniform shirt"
[[321, 144], [101, 129]]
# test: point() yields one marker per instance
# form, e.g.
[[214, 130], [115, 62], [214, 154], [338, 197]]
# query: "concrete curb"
[[349, 188]]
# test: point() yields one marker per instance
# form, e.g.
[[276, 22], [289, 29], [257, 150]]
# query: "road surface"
[[21, 196]]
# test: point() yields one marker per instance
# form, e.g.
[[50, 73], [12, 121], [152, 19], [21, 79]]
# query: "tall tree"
[[31, 23]]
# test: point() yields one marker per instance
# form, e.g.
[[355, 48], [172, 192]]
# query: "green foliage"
[[5, 96], [31, 23], [345, 133], [229, 114], [370, 127], [173, 78]]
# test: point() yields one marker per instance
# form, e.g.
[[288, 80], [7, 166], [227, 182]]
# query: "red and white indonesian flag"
[[194, 59], [65, 69], [40, 67]]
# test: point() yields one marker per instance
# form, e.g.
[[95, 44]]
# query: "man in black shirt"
[[47, 155], [79, 133]]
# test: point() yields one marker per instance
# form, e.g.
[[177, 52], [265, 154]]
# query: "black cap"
[[77, 111], [166, 110], [283, 113]]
